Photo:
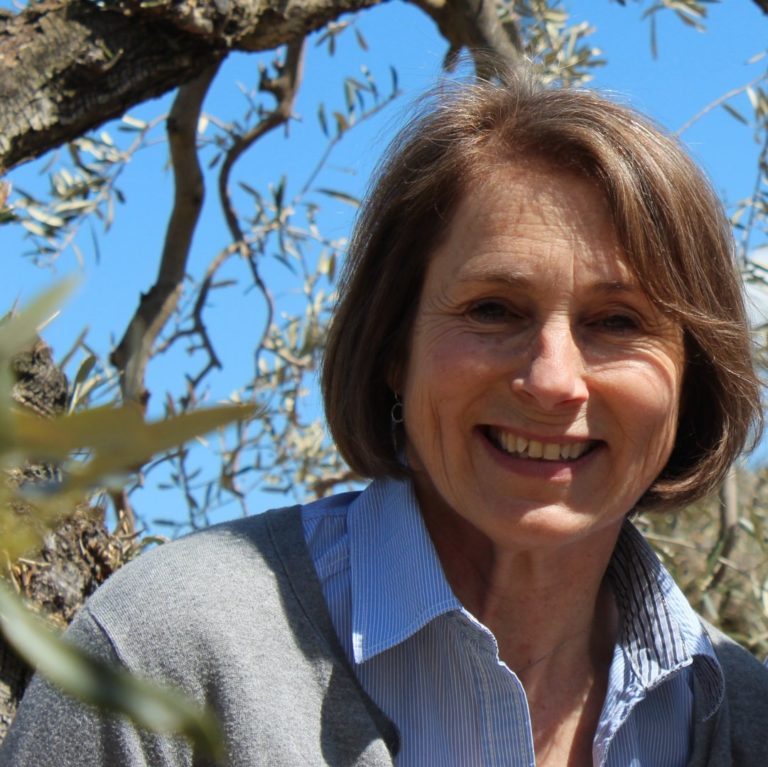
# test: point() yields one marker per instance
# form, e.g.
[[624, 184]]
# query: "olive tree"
[[73, 74]]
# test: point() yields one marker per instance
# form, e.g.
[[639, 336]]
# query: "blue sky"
[[692, 70]]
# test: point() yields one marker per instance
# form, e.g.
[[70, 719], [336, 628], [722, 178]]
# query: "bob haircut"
[[670, 224]]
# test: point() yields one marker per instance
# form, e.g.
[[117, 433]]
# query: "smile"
[[521, 447]]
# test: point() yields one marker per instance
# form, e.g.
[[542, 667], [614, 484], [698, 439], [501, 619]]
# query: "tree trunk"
[[66, 67]]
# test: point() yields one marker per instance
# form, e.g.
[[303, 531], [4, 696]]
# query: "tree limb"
[[66, 66], [199, 329], [135, 348], [474, 25], [729, 525], [284, 88]]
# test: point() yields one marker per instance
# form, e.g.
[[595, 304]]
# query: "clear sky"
[[691, 71]]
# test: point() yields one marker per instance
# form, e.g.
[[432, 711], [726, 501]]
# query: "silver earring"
[[396, 414]]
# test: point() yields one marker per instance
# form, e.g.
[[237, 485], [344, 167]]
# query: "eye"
[[618, 322], [491, 311]]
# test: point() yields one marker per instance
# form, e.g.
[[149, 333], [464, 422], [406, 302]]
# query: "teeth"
[[548, 451], [552, 452]]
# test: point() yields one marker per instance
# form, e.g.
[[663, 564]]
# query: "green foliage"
[[82, 188], [93, 448], [561, 49]]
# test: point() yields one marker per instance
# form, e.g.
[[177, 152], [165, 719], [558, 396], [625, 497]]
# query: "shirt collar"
[[398, 586], [397, 582], [660, 631]]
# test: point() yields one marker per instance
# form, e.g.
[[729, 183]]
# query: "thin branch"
[[672, 541], [729, 525], [716, 103], [156, 306], [126, 516], [750, 224], [333, 142], [205, 288], [284, 88], [200, 329]]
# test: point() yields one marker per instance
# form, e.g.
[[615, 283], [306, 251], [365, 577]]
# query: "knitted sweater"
[[235, 617]]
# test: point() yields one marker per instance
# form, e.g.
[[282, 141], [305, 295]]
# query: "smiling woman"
[[544, 283], [531, 328], [540, 331]]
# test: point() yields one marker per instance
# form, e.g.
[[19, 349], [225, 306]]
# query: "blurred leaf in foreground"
[[112, 442], [86, 451]]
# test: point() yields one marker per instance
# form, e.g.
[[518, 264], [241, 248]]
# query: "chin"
[[548, 524]]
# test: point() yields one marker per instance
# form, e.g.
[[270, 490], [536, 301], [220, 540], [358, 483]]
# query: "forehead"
[[527, 220]]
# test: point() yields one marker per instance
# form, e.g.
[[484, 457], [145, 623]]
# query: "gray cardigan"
[[235, 616]]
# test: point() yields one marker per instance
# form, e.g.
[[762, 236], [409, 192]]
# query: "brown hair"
[[670, 223]]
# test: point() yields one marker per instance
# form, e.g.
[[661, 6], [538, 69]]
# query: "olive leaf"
[[92, 448]]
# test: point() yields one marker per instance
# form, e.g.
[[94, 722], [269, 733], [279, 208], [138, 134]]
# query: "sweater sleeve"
[[52, 729]]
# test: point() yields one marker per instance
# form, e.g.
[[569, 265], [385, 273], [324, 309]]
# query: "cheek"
[[650, 402], [436, 361], [471, 358], [443, 378]]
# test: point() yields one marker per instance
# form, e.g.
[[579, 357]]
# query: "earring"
[[396, 414]]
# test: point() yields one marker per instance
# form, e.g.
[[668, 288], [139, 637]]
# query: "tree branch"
[[474, 25], [135, 348], [198, 327], [284, 88], [66, 66], [729, 525], [718, 102]]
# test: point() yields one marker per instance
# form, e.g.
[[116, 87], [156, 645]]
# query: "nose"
[[553, 373]]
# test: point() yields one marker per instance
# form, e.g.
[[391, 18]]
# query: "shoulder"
[[746, 692], [224, 555], [205, 593], [742, 670], [235, 618]]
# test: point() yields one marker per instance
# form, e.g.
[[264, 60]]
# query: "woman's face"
[[542, 387]]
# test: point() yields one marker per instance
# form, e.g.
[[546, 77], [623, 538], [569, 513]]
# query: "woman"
[[540, 331]]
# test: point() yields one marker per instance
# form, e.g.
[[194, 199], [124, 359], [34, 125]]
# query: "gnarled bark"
[[66, 66]]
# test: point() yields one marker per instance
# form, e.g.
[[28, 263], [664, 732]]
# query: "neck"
[[549, 609]]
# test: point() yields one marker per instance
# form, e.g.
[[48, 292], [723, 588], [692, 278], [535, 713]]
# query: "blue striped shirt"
[[435, 670]]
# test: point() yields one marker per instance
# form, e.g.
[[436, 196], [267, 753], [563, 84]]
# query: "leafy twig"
[[284, 88]]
